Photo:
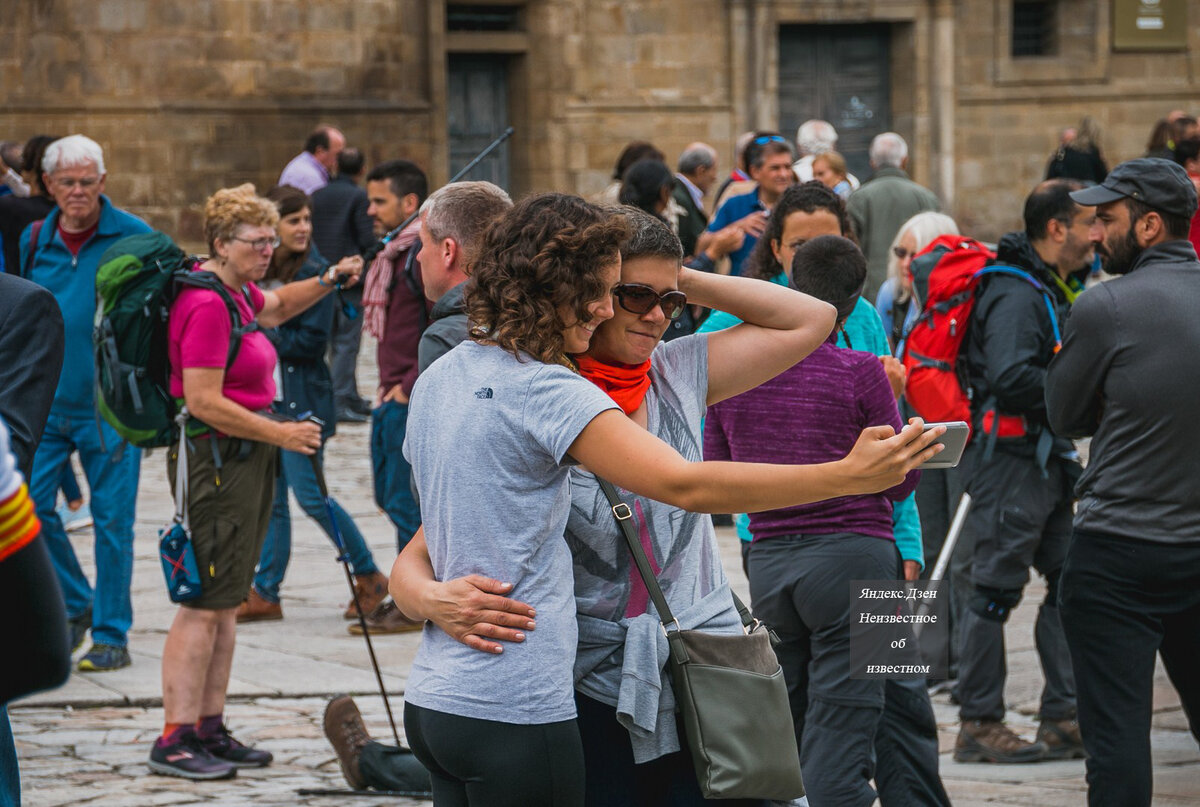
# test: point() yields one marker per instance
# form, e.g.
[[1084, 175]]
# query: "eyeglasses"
[[901, 252], [258, 244], [640, 299], [765, 139], [87, 183]]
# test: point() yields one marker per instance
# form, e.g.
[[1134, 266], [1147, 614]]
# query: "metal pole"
[[495, 144], [344, 558]]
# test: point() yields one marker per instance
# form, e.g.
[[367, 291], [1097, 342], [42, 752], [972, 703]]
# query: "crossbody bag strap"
[[181, 471], [624, 517]]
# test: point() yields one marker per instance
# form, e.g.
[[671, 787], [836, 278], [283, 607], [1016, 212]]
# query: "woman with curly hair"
[[495, 425], [232, 456]]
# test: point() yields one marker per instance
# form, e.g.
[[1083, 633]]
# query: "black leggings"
[[614, 780], [484, 763]]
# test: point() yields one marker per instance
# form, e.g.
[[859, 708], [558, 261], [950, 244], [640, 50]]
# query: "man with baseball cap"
[[1126, 375]]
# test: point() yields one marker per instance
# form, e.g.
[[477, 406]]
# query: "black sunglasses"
[[640, 299]]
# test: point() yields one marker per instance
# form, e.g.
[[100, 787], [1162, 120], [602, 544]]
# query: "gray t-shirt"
[[487, 438], [681, 546]]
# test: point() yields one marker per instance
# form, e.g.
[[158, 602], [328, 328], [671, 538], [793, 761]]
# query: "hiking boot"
[[224, 746], [387, 618], [104, 657], [992, 741], [347, 734], [1062, 739], [256, 608], [79, 626], [187, 758], [370, 590]]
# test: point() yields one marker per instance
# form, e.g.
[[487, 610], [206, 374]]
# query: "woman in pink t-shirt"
[[231, 470]]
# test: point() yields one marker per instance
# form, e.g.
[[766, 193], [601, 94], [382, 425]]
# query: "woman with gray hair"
[[899, 299]]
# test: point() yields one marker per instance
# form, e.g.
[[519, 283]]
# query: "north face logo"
[[483, 392]]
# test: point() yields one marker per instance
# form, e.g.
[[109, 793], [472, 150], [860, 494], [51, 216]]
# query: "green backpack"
[[138, 280]]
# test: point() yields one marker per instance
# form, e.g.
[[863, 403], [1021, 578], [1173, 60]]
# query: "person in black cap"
[[1126, 376]]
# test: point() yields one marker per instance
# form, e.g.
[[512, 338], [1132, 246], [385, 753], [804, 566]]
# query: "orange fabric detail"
[[18, 522], [624, 383]]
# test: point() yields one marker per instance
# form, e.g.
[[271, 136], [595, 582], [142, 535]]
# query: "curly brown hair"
[[547, 254]]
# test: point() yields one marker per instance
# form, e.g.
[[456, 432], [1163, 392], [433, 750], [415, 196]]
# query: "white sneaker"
[[73, 520]]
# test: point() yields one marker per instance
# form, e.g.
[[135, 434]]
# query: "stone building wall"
[[190, 95]]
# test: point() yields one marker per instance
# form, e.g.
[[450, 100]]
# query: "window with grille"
[[465, 17], [1034, 28]]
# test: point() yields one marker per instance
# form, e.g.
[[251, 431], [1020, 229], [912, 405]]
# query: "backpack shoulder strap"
[[35, 234], [208, 280], [1047, 297]]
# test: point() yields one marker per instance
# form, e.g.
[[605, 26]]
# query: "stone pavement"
[[87, 742]]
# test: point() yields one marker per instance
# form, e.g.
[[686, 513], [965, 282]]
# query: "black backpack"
[[138, 280]]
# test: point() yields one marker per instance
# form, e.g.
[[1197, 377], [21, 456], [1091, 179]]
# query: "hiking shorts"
[[228, 518]]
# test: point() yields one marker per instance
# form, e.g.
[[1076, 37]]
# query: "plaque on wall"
[[1150, 24]]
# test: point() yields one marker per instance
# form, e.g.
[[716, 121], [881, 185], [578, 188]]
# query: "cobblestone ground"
[[87, 742]]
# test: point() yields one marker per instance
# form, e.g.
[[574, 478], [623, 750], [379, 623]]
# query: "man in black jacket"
[[1020, 477], [341, 228], [1126, 374]]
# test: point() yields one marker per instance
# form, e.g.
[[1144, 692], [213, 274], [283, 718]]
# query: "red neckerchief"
[[624, 383]]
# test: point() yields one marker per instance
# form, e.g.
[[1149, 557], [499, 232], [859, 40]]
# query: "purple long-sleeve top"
[[812, 413]]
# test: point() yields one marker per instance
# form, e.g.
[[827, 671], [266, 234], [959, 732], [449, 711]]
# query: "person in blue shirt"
[[769, 161], [62, 254]]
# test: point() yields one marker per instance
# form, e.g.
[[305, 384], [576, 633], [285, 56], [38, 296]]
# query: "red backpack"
[[936, 388]]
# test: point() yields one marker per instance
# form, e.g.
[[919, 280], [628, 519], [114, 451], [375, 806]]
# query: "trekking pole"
[[939, 568], [956, 526], [344, 558], [480, 157]]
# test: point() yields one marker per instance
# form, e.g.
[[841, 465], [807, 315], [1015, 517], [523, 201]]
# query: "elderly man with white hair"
[[812, 138], [62, 253], [881, 206]]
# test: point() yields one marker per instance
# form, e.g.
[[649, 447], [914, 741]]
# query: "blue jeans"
[[296, 472], [112, 475], [10, 773], [393, 474]]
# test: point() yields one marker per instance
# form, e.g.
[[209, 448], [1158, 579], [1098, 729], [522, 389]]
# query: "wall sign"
[[1150, 24]]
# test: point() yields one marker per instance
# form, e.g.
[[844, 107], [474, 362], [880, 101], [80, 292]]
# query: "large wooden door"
[[838, 73], [478, 113]]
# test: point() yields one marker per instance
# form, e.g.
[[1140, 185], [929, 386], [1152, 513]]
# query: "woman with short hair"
[[231, 466], [496, 424]]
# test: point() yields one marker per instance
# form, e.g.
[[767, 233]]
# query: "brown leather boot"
[[387, 618], [1062, 739], [347, 734], [256, 609], [371, 589], [992, 741]]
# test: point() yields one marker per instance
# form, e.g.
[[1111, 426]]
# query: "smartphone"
[[954, 440]]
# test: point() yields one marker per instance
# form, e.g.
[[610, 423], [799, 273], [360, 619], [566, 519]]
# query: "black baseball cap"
[[1159, 183]]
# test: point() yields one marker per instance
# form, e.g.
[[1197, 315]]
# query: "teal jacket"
[[72, 281], [865, 332]]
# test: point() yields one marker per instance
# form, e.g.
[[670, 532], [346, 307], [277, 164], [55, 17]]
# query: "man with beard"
[[1131, 583], [1020, 476]]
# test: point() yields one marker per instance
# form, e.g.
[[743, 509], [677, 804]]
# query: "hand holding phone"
[[954, 440]]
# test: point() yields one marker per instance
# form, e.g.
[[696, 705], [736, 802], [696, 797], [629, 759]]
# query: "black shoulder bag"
[[730, 693]]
